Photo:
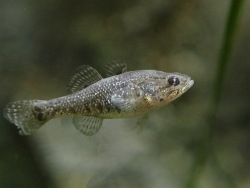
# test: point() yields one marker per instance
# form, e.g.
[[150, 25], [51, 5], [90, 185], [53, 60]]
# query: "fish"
[[92, 98]]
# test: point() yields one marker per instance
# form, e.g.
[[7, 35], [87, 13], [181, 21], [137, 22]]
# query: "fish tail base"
[[23, 115]]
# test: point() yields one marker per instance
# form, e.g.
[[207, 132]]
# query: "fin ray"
[[83, 77], [20, 113], [88, 125], [116, 68]]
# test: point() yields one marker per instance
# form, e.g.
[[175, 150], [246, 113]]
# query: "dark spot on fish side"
[[99, 107], [87, 108], [52, 113], [37, 109], [38, 113], [117, 109], [161, 99], [108, 108], [72, 110], [40, 116]]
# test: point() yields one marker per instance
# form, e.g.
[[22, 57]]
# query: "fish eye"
[[173, 81]]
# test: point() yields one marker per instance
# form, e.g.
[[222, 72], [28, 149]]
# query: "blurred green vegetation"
[[200, 140], [206, 148]]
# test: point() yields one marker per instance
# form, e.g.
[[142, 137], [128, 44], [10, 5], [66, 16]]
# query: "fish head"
[[162, 88], [175, 85]]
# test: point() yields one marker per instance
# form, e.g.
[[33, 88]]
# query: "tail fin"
[[21, 113]]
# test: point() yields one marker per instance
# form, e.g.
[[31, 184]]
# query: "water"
[[43, 42]]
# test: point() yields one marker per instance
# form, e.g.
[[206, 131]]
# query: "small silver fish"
[[93, 98]]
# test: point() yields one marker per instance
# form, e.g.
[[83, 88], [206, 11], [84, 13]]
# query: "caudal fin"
[[22, 115]]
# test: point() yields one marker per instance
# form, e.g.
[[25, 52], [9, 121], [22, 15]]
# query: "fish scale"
[[93, 98]]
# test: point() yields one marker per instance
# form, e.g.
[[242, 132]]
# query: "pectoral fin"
[[123, 104], [88, 125], [125, 99]]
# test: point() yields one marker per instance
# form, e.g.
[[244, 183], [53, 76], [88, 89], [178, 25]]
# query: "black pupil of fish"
[[173, 81]]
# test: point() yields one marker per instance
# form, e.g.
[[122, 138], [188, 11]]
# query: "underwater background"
[[200, 140]]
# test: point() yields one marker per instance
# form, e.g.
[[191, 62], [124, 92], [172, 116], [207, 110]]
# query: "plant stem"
[[205, 148]]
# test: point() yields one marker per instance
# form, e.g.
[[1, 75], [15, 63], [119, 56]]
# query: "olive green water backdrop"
[[200, 140]]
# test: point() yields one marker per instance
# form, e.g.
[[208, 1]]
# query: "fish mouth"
[[188, 85]]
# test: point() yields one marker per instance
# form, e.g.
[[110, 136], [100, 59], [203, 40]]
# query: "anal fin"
[[88, 125]]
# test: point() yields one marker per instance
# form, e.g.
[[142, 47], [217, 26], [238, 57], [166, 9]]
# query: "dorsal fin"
[[83, 77], [115, 68]]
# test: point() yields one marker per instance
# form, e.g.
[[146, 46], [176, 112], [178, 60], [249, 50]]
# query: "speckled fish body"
[[122, 94]]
